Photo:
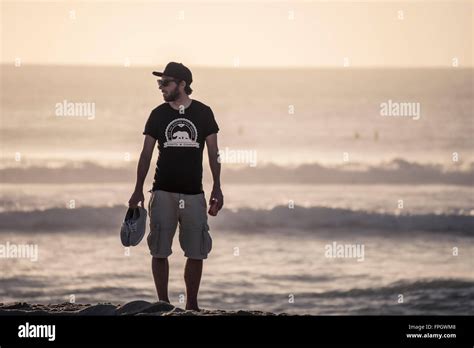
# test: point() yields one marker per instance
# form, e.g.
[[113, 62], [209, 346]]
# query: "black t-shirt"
[[181, 137]]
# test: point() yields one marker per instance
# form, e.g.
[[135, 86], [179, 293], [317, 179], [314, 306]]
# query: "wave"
[[421, 297], [396, 171], [68, 172], [403, 286], [248, 220]]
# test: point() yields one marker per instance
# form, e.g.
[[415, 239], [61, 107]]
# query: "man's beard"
[[172, 96]]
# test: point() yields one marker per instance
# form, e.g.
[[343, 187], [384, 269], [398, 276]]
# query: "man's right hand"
[[137, 197]]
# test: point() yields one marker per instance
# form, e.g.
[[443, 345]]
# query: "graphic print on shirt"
[[181, 132]]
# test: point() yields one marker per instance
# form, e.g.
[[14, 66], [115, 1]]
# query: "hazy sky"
[[249, 33]]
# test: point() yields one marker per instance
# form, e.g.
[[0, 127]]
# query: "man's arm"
[[142, 170], [214, 163]]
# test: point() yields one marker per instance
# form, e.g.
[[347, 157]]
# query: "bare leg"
[[160, 269], [192, 278]]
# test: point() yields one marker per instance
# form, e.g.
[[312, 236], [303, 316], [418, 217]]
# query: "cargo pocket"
[[154, 238], [206, 240], [152, 203], [149, 204]]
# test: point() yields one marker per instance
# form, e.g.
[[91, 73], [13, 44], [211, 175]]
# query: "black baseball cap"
[[178, 71]]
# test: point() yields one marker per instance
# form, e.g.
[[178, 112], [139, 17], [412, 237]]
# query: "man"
[[181, 126]]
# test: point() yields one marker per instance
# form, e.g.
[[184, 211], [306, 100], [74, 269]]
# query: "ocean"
[[340, 207]]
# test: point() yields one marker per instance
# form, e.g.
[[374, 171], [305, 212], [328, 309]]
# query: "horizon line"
[[229, 67]]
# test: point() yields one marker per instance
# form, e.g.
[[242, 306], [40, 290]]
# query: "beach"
[[338, 209]]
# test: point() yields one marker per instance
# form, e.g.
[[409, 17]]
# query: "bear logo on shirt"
[[181, 132], [179, 135]]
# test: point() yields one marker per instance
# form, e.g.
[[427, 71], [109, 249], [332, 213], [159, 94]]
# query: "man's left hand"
[[217, 194]]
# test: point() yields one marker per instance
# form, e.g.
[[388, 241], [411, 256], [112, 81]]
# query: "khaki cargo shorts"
[[166, 210]]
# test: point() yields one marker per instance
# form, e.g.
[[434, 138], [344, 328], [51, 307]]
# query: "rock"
[[132, 308], [7, 312], [17, 305], [175, 311], [159, 306], [156, 314], [142, 308], [181, 312], [100, 309]]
